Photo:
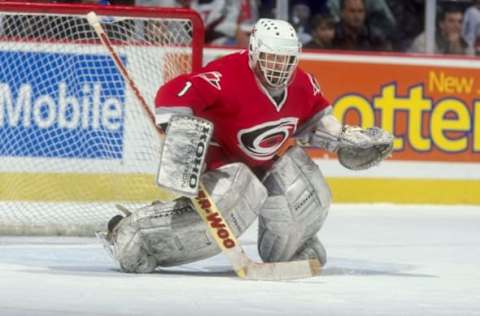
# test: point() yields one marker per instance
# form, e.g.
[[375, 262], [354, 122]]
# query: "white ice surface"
[[383, 260]]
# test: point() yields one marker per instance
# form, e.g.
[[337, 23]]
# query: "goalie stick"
[[243, 266]]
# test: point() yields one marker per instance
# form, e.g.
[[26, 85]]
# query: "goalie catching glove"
[[363, 148], [357, 148]]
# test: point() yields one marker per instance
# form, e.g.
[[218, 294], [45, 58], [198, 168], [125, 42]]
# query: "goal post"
[[74, 140]]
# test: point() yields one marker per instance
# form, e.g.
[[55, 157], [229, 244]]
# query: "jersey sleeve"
[[318, 99], [317, 104], [190, 93]]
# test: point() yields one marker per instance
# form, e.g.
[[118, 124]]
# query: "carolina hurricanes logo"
[[262, 141]]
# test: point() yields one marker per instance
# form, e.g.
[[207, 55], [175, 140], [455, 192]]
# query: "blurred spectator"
[[122, 2], [471, 24], [266, 8], [475, 49], [448, 37], [300, 17], [155, 31], [246, 19], [318, 7], [58, 27], [378, 14], [220, 17], [410, 21], [353, 33], [323, 32]]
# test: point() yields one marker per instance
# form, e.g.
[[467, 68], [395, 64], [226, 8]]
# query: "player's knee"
[[297, 206], [128, 248], [290, 246], [312, 249], [173, 233], [238, 194], [297, 188]]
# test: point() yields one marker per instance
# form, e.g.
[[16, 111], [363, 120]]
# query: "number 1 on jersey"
[[188, 84]]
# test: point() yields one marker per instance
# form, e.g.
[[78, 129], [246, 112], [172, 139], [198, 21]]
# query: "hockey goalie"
[[244, 107]]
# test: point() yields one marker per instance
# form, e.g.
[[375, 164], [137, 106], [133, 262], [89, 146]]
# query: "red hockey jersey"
[[249, 125]]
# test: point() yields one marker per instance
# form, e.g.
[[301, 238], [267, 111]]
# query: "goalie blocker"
[[183, 154]]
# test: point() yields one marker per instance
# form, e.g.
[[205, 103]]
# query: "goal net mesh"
[[74, 140]]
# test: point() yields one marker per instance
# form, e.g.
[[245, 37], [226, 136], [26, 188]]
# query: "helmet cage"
[[277, 70]]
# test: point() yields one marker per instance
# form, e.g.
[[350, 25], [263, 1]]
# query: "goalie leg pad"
[[298, 203], [312, 249], [238, 194], [172, 233]]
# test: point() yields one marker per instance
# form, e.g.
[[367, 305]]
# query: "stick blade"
[[278, 271]]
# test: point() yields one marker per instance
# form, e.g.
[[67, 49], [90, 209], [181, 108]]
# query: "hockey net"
[[74, 141]]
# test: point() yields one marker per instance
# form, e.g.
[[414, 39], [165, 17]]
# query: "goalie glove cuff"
[[325, 140], [348, 137], [357, 137]]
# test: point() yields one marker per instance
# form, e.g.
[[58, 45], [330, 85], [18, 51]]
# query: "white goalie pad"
[[172, 233], [183, 154], [297, 206]]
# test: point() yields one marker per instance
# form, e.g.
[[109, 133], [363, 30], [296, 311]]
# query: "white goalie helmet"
[[273, 52]]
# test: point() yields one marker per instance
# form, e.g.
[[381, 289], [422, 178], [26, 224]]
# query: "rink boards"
[[436, 155]]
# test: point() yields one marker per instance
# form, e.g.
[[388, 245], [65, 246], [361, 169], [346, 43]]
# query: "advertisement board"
[[56, 114], [70, 128], [431, 106]]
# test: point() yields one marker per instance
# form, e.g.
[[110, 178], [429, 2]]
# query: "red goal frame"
[[127, 11]]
